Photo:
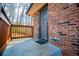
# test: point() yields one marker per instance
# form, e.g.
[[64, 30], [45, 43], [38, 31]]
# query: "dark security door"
[[44, 24]]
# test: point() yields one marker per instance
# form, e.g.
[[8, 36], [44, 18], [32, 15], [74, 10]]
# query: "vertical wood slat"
[[21, 31]]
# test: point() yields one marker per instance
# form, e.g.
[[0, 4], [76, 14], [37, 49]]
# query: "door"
[[44, 24]]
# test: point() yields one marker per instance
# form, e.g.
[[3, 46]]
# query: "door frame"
[[40, 22]]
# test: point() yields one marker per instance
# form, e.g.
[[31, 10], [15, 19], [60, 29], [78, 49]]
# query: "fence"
[[20, 31]]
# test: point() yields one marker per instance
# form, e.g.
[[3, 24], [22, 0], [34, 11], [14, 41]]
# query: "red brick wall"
[[63, 23], [36, 26]]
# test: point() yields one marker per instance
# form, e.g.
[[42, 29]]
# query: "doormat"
[[42, 41]]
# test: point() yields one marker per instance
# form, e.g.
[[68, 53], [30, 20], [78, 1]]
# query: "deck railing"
[[20, 31]]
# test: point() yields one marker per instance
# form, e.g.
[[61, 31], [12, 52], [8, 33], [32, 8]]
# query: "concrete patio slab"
[[28, 47]]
